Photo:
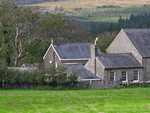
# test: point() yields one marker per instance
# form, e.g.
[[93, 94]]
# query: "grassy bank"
[[66, 101]]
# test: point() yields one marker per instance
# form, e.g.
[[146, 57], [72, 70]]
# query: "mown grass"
[[131, 100]]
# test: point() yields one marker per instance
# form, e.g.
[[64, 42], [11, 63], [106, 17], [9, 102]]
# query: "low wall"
[[141, 84], [83, 84], [97, 84]]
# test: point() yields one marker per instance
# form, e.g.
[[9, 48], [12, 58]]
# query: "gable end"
[[48, 51]]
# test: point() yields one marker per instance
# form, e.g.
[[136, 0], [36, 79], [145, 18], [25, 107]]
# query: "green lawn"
[[102, 18], [129, 100], [107, 14]]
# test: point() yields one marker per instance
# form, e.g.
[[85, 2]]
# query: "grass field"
[[131, 100], [72, 4], [88, 11], [101, 18], [107, 14]]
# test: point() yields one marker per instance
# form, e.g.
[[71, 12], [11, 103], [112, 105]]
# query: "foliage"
[[19, 27], [27, 33], [73, 77], [52, 25], [60, 76], [105, 40], [51, 77]]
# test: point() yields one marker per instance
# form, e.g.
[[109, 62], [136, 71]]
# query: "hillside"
[[72, 4], [95, 10], [23, 2]]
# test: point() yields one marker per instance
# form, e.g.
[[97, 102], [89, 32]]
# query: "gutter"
[[124, 68]]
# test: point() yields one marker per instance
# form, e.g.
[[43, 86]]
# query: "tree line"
[[134, 21], [108, 31], [25, 34]]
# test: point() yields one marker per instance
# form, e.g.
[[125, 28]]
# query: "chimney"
[[94, 49], [94, 54], [52, 41]]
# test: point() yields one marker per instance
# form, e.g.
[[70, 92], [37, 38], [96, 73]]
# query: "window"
[[136, 75], [124, 75], [112, 75]]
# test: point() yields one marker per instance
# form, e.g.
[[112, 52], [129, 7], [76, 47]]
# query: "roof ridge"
[[133, 28], [74, 43], [113, 53]]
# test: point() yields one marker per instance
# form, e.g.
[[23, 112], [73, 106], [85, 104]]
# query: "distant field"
[[88, 10], [106, 14], [101, 18], [127, 100], [91, 3]]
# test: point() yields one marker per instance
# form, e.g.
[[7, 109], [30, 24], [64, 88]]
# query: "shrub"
[[78, 9], [73, 77], [98, 7], [48, 87], [59, 88]]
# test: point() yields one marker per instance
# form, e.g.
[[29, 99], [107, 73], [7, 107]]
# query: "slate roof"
[[116, 61], [82, 72], [73, 50], [140, 39]]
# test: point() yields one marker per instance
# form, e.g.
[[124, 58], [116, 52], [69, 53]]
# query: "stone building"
[[68, 53], [115, 67], [72, 55], [127, 58], [137, 42]]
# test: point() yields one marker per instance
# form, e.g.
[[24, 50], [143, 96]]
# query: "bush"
[[59, 88], [48, 87], [78, 9], [145, 85], [54, 77], [98, 7]]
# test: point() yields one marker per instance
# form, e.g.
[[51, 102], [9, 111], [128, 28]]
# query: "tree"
[[21, 27], [53, 25], [105, 39]]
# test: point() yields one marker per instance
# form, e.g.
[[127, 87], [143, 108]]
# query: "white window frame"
[[138, 76], [114, 75], [126, 75]]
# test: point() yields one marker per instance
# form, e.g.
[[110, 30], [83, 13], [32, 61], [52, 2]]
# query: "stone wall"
[[100, 69], [146, 69], [118, 74], [50, 57], [122, 44], [97, 84], [94, 84]]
